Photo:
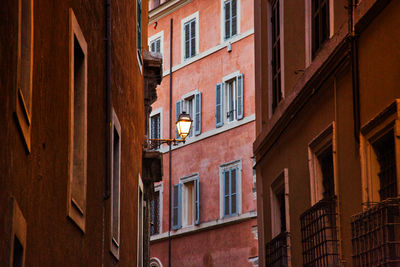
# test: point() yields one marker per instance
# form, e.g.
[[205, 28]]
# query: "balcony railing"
[[276, 251], [376, 235], [319, 234]]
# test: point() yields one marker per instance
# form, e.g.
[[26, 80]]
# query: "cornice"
[[166, 9]]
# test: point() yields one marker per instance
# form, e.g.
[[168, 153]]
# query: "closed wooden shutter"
[[219, 105], [239, 99], [197, 201], [227, 6], [176, 206], [193, 38], [178, 112], [197, 115]]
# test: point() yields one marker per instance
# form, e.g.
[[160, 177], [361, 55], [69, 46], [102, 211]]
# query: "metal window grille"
[[155, 214], [276, 251], [376, 235], [319, 234]]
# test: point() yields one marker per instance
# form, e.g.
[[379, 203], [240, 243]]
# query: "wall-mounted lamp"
[[183, 126]]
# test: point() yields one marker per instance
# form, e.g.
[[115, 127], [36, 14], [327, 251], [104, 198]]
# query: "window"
[[115, 184], [230, 189], [78, 124], [230, 10], [186, 204], [191, 104], [276, 55], [23, 94], [155, 46], [378, 157], [18, 236], [229, 100], [156, 210], [320, 23], [141, 212], [190, 36], [139, 25], [277, 252]]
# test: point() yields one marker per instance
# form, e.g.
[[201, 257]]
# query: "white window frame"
[[155, 262], [183, 21], [225, 106], [159, 188], [238, 16], [308, 28], [185, 201], [282, 49], [159, 35], [225, 167], [154, 113], [141, 204], [184, 98], [317, 146]]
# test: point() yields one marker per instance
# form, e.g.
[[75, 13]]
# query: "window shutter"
[[176, 206], [187, 40], [158, 46], [197, 115], [153, 47], [239, 104], [193, 39], [227, 7], [226, 192], [152, 127], [178, 112], [197, 201], [233, 191], [219, 105], [234, 18]]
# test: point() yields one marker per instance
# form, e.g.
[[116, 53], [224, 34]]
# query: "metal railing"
[[276, 251], [376, 235], [319, 234]]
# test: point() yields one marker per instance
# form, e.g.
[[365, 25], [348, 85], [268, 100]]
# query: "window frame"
[[23, 103], [156, 112], [115, 244], [76, 211], [226, 167], [280, 183], [315, 148], [159, 189], [139, 36], [372, 131], [238, 16], [233, 77], [308, 29], [194, 16], [185, 202], [190, 96], [18, 230], [159, 35]]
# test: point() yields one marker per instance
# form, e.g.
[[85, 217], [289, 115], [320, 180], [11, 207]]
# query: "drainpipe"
[[170, 146], [354, 70], [108, 98]]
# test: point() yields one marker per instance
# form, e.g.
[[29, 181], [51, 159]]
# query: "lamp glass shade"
[[183, 125]]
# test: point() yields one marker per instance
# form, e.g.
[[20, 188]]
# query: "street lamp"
[[183, 125]]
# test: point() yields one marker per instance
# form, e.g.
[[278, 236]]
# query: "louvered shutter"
[[193, 38], [239, 99], [158, 46], [176, 206], [234, 18], [227, 7], [226, 192], [197, 201], [178, 112], [153, 46], [233, 191], [219, 105], [187, 40], [197, 115]]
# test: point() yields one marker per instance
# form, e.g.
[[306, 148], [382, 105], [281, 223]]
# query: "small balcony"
[[276, 251], [319, 234], [376, 235]]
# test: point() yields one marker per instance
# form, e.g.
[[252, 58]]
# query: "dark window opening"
[[326, 162], [18, 255], [276, 56], [320, 23], [282, 210], [155, 214], [385, 153]]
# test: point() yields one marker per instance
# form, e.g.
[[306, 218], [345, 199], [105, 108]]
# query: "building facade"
[[327, 147], [213, 206], [75, 81]]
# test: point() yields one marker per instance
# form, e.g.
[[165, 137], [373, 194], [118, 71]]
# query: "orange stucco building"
[[213, 206], [327, 147]]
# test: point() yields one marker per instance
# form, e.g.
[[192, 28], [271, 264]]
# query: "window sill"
[[191, 229]]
